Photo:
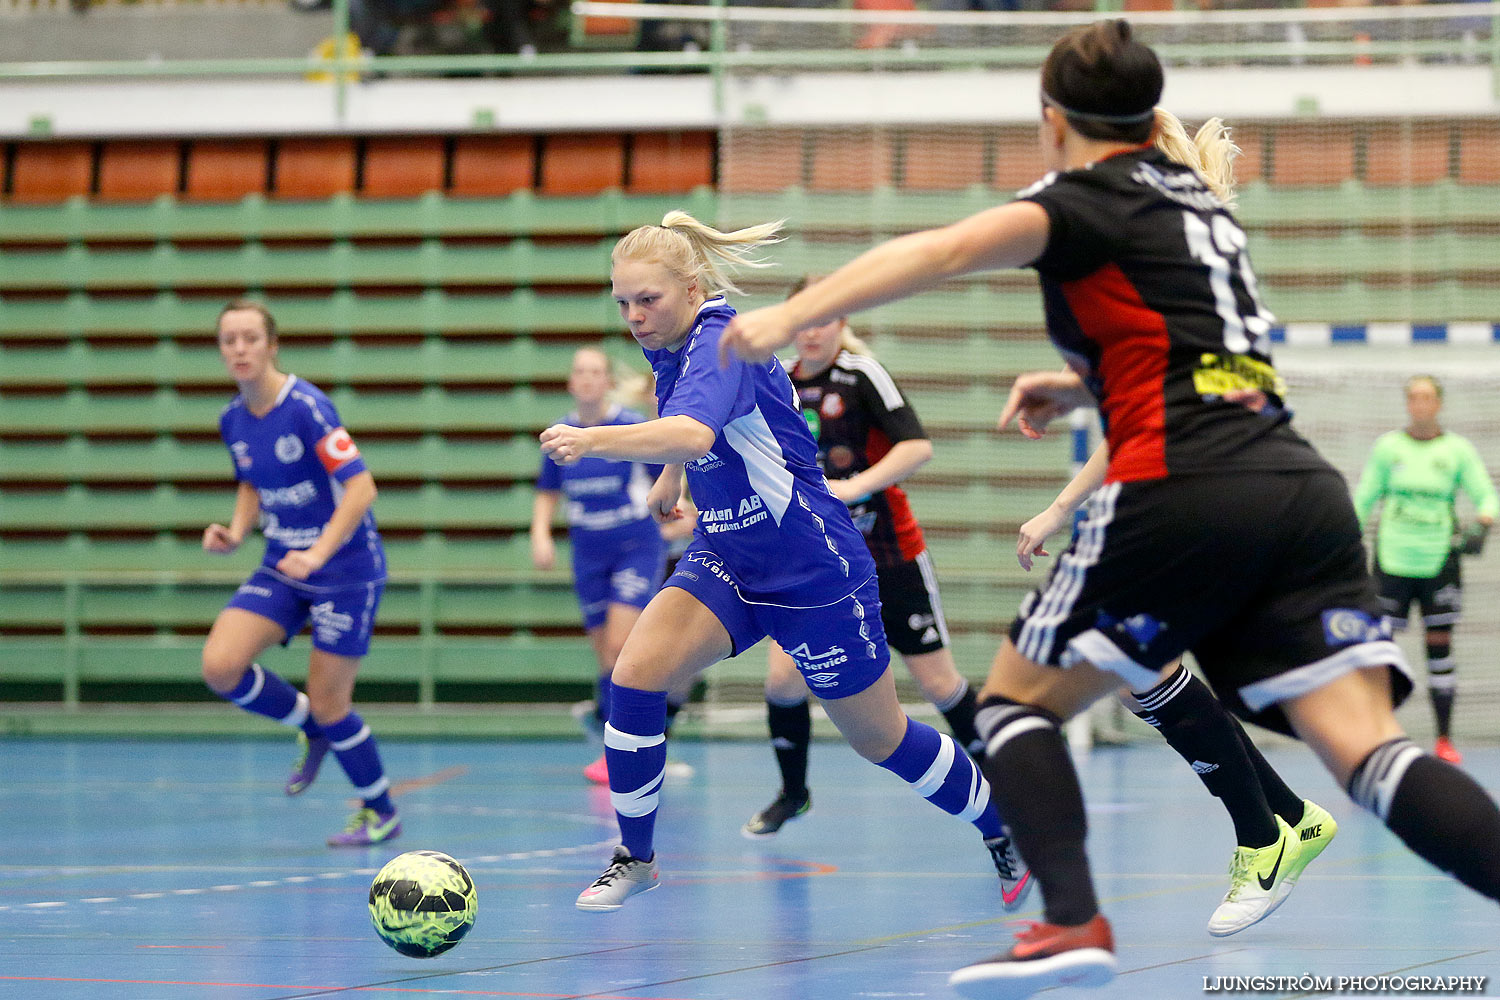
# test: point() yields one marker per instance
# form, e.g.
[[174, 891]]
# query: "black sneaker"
[[774, 816]]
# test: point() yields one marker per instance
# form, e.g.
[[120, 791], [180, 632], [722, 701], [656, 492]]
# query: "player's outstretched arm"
[[1010, 235], [664, 500], [1038, 398], [664, 441]]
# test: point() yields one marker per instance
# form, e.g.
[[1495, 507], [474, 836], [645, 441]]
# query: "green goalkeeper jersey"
[[1418, 481]]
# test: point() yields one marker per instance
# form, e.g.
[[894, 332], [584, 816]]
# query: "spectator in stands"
[[301, 476]]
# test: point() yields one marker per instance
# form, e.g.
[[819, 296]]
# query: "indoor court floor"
[[176, 870]]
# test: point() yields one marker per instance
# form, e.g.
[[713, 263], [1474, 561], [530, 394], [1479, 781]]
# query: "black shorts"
[[1261, 575], [910, 608], [1440, 597]]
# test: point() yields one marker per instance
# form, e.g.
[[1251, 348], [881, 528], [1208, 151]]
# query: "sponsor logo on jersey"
[[710, 562], [336, 448], [840, 457], [241, 452], [629, 584], [330, 625], [297, 495], [707, 462], [833, 406], [816, 667], [288, 448], [716, 519], [1343, 626], [593, 486], [291, 538], [839, 375]]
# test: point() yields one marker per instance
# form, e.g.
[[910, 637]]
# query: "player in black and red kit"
[[869, 440], [1219, 530]]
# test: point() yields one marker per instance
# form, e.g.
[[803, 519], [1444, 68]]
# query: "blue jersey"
[[763, 504], [604, 497], [298, 456]]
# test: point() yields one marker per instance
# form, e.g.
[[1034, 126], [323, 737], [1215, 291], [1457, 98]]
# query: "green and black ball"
[[422, 903]]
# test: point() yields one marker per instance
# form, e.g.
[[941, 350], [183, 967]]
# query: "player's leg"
[[1231, 767], [677, 636], [1440, 812], [842, 655], [591, 587], [1441, 602], [341, 626], [607, 639], [262, 613], [789, 719], [912, 612]]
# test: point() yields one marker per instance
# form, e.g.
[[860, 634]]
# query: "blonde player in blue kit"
[[302, 478], [774, 552]]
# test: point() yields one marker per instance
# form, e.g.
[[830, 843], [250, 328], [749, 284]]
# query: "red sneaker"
[[1044, 955], [1447, 751], [597, 772]]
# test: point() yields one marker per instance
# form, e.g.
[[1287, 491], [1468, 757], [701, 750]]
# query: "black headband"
[[1135, 118]]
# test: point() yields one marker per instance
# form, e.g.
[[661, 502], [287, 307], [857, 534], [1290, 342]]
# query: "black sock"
[[791, 732], [1187, 714], [1436, 809], [1442, 684], [1283, 801], [1036, 789], [959, 710]]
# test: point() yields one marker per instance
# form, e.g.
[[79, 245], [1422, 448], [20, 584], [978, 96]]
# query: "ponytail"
[[698, 253]]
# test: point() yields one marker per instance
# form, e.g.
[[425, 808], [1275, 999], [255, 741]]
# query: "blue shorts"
[[840, 649], [342, 620], [614, 571]]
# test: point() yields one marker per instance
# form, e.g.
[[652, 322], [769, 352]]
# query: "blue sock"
[[355, 747], [264, 693], [943, 774], [635, 747]]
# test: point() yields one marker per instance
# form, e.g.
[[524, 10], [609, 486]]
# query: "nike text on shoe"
[[367, 827], [624, 877], [1314, 832], [309, 759], [1015, 877], [1260, 879], [1044, 955], [773, 817]]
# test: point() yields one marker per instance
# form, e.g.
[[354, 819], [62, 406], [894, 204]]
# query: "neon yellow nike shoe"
[[1258, 882]]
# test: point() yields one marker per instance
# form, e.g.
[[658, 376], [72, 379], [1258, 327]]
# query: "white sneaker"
[[1260, 880], [624, 877]]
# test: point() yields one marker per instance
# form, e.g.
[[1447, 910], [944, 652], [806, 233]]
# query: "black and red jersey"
[[857, 412], [1150, 295]]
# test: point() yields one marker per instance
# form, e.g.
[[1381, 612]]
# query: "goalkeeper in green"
[[1415, 474]]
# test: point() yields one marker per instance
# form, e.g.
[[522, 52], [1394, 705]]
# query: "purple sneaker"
[[305, 771], [367, 827]]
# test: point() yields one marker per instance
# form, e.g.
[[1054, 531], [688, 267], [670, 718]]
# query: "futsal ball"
[[422, 903]]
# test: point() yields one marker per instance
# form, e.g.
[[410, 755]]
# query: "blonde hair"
[[848, 340], [697, 253], [1210, 151]]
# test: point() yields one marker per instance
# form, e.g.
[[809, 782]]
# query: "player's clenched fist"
[[565, 444]]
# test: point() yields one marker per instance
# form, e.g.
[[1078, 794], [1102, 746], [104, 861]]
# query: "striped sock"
[[355, 747], [943, 774], [635, 748], [264, 693]]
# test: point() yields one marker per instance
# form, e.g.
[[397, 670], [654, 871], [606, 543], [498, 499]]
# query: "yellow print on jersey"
[[1218, 374]]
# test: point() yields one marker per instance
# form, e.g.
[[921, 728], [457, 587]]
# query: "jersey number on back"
[[1220, 244]]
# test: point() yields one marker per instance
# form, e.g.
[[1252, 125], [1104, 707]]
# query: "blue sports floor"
[[138, 870]]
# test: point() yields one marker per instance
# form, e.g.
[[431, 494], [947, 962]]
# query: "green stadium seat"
[[342, 216], [993, 455]]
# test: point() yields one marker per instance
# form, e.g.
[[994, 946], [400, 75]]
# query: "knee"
[[221, 668]]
